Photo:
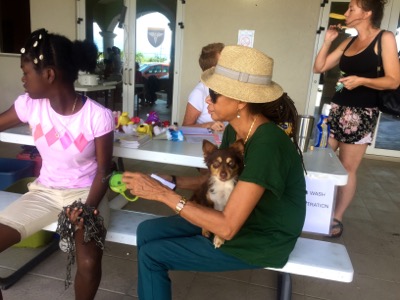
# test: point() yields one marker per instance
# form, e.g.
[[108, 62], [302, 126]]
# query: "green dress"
[[271, 231]]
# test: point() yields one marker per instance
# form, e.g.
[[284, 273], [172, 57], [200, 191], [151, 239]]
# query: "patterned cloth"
[[66, 143], [353, 125]]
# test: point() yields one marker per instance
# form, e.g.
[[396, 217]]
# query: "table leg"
[[136, 105], [120, 164], [284, 286]]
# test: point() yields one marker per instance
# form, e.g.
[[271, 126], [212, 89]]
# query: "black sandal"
[[338, 226]]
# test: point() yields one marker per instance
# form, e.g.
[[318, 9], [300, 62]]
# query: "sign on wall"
[[246, 38], [155, 36]]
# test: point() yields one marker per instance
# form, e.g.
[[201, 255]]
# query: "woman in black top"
[[354, 111]]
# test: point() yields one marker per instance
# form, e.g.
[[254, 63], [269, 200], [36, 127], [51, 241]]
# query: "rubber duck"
[[123, 120]]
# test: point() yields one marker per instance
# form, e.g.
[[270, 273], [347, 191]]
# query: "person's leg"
[[350, 156], [179, 246], [88, 258], [334, 144], [88, 273], [164, 227], [9, 237], [154, 230], [351, 126], [26, 216]]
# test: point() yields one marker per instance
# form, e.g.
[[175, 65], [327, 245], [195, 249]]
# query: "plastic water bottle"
[[323, 128]]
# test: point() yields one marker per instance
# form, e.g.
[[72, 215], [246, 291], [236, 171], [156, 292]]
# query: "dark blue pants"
[[172, 243]]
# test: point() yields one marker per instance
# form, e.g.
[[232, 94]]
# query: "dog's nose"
[[223, 175]]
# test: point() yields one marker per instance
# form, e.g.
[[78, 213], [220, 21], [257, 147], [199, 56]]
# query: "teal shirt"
[[271, 231]]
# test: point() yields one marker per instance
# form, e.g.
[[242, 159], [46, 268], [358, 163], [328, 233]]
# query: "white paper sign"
[[246, 38], [320, 205]]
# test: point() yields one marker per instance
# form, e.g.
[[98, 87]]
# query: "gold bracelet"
[[180, 205]]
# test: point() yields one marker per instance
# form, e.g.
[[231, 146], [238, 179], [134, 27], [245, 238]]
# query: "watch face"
[[180, 206]]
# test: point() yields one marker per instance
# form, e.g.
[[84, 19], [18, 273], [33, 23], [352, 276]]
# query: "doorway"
[[388, 131], [118, 20], [153, 58], [326, 82]]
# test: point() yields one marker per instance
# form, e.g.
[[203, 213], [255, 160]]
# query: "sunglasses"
[[213, 96]]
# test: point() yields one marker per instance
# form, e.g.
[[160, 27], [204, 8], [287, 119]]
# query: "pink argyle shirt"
[[66, 143]]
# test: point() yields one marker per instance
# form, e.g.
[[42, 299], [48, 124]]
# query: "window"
[[15, 25]]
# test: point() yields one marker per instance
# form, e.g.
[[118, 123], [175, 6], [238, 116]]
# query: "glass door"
[[103, 22], [387, 135], [118, 20]]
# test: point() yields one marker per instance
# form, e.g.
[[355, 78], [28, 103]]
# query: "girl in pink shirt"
[[74, 136]]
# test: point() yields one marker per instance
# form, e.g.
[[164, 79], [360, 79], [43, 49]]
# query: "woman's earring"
[[238, 114]]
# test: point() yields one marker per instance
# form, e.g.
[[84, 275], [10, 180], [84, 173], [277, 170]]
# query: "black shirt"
[[363, 64]]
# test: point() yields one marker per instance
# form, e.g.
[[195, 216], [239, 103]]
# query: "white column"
[[108, 40]]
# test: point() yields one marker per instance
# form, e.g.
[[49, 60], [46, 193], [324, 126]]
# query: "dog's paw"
[[205, 233], [218, 241]]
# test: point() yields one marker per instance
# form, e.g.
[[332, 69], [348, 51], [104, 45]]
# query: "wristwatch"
[[180, 205]]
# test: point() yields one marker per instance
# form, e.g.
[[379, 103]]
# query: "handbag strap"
[[379, 68]]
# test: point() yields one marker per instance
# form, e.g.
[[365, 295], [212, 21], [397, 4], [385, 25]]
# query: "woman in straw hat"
[[265, 213]]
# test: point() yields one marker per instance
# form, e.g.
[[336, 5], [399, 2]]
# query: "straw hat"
[[244, 74]]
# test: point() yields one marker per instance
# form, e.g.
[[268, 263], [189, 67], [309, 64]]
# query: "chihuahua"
[[224, 167]]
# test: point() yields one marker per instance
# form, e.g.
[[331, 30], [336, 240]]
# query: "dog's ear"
[[208, 147], [238, 146]]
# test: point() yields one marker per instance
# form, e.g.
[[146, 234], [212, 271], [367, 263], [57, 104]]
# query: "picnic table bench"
[[313, 258]]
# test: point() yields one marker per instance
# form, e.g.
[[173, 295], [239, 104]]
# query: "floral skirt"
[[353, 125]]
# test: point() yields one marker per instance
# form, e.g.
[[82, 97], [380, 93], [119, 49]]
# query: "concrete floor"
[[371, 236]]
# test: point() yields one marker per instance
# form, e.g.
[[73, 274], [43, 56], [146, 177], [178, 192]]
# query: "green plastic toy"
[[118, 186]]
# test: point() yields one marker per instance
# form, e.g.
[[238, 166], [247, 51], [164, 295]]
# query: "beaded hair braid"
[[48, 50], [35, 49], [280, 111]]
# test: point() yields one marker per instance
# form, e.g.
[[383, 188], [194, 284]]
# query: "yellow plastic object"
[[145, 128], [37, 240], [20, 186], [118, 186], [337, 16], [123, 119], [40, 238]]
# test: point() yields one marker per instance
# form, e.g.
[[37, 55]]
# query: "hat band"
[[243, 77]]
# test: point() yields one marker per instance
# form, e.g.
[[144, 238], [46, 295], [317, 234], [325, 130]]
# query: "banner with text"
[[320, 205]]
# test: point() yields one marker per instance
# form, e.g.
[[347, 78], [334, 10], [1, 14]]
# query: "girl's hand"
[[74, 215]]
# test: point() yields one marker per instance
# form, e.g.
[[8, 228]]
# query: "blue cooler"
[[12, 170], [31, 153]]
